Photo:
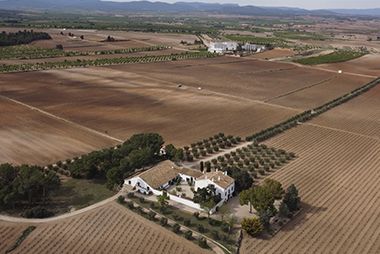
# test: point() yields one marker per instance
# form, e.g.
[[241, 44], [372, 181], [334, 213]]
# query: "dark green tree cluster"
[[173, 153], [291, 201], [243, 180], [115, 164], [22, 37], [262, 198], [25, 185]]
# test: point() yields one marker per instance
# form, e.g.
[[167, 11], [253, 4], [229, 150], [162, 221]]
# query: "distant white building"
[[253, 47], [222, 47]]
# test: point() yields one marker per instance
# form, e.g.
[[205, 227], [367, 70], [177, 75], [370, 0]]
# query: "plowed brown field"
[[27, 136], [361, 115], [338, 175], [107, 229], [9, 232], [123, 103], [368, 64]]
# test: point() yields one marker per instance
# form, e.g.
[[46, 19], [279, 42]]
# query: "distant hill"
[[361, 12], [178, 7]]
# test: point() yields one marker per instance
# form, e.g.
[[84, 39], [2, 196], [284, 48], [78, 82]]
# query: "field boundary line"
[[333, 71], [322, 82], [61, 119], [225, 95], [343, 131]]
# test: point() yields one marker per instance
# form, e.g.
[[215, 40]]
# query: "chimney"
[[212, 179], [218, 178], [225, 173]]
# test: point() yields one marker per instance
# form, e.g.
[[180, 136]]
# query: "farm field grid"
[[121, 100], [55, 117]]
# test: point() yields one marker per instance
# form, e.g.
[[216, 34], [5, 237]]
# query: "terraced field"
[[108, 229], [337, 174]]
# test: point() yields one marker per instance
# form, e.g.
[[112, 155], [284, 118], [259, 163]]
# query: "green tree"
[[291, 198], [243, 179], [252, 226], [274, 187], [163, 200]]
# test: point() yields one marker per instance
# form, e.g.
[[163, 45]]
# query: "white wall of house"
[[225, 194], [185, 177], [139, 184], [185, 202]]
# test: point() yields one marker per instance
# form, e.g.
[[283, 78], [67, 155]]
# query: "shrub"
[[252, 226], [201, 228], [37, 212], [215, 235], [121, 199], [176, 228], [187, 222], [151, 215], [225, 228], [163, 221], [196, 215], [130, 204], [202, 242], [152, 205], [130, 195], [189, 235], [142, 200]]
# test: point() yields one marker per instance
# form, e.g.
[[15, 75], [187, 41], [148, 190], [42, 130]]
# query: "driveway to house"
[[63, 216]]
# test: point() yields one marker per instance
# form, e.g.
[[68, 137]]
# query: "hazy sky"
[[308, 4]]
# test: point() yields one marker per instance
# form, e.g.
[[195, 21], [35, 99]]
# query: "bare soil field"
[[361, 115], [122, 103], [107, 229], [322, 92], [28, 136], [275, 53], [337, 175], [254, 79], [242, 77], [9, 232], [368, 64]]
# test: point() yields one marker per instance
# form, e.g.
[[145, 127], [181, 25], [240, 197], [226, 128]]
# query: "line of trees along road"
[[22, 37], [310, 114]]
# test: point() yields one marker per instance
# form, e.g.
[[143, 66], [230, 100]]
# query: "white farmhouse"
[[224, 184], [161, 177], [165, 175], [222, 47]]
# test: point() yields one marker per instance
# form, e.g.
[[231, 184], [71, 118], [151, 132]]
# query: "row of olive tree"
[[102, 62]]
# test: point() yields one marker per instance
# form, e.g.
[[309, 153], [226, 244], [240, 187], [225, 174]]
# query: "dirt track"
[[108, 229]]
